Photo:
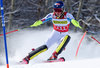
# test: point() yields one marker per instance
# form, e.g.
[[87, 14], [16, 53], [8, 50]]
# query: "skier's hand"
[[37, 23], [76, 23], [87, 29]]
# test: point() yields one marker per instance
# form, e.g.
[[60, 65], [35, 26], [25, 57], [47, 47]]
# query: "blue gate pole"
[[4, 32]]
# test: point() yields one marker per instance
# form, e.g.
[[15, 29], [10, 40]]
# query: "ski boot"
[[54, 56], [61, 59], [25, 60]]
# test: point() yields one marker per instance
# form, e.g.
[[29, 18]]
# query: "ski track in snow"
[[20, 44]]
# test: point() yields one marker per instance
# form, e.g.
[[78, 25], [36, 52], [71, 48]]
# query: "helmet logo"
[[57, 3]]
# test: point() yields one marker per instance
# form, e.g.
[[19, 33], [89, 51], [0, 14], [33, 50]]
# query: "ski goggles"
[[57, 10]]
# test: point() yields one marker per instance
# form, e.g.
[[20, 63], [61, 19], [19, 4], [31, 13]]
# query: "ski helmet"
[[58, 6]]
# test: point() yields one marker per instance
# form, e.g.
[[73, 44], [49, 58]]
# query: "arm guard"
[[76, 23], [37, 23]]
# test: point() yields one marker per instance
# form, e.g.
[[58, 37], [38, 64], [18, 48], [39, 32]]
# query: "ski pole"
[[3, 26], [13, 31], [80, 43], [9, 32], [95, 39]]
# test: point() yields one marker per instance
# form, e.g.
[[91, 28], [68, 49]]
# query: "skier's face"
[[58, 11], [58, 14]]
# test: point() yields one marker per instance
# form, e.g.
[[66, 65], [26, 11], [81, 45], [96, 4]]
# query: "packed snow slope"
[[20, 44], [87, 63]]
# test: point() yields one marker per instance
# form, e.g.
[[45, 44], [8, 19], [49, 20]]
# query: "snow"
[[87, 63], [20, 44]]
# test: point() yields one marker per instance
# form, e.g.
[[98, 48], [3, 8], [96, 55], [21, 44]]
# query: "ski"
[[61, 59]]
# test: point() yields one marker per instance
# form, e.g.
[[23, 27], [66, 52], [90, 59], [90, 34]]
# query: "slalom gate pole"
[[95, 39], [4, 32], [9, 32], [80, 44]]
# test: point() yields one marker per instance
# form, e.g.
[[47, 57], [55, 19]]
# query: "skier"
[[61, 21]]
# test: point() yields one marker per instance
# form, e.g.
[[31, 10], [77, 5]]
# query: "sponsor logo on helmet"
[[57, 3]]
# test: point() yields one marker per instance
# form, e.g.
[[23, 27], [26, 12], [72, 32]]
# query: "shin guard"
[[63, 44], [37, 51]]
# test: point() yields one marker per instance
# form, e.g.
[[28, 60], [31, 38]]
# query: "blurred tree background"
[[21, 13]]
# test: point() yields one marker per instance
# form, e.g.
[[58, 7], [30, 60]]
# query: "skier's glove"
[[37, 23], [76, 23]]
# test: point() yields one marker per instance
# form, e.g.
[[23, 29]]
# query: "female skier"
[[61, 21]]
